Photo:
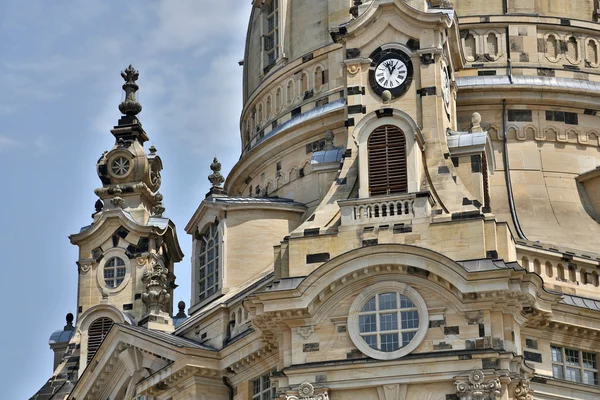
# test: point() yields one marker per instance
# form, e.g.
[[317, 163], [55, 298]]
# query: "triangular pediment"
[[129, 355]]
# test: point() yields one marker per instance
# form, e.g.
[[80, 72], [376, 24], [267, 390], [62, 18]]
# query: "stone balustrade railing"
[[386, 209]]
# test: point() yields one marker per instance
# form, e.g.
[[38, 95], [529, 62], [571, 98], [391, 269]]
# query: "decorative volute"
[[130, 177]]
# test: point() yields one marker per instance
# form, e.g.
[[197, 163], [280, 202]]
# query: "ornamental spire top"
[[216, 178], [130, 105]]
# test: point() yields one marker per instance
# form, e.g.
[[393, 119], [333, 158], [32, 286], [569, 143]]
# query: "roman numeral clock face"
[[391, 73], [391, 70]]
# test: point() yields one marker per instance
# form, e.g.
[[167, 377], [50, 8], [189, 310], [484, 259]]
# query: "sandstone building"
[[415, 215]]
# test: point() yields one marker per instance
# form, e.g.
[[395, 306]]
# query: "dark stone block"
[[352, 53], [565, 21], [296, 111], [310, 347], [524, 57], [451, 330], [354, 354], [342, 181], [443, 170], [455, 162], [531, 344], [492, 254], [466, 202], [356, 109], [481, 330], [349, 122], [307, 57], [533, 357], [317, 258], [465, 357], [427, 59], [427, 91], [466, 215], [469, 344], [342, 329], [354, 90], [370, 242], [417, 271], [413, 44], [437, 323], [386, 112], [442, 346], [486, 73], [128, 307], [490, 363], [311, 232]]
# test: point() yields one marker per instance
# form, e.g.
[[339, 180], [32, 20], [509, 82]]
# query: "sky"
[[60, 87]]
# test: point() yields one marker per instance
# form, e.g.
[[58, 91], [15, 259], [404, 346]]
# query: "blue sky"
[[60, 86]]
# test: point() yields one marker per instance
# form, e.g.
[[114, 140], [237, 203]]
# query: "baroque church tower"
[[414, 216]]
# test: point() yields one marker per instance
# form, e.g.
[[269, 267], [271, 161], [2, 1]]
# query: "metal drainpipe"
[[511, 200], [229, 387]]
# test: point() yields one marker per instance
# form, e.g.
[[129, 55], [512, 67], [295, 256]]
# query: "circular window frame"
[[112, 253], [112, 159], [362, 299]]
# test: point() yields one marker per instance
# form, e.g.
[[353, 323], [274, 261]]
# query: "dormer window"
[[96, 334], [208, 262], [271, 35]]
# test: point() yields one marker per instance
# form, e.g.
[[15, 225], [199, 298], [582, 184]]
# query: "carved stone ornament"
[[306, 391], [117, 201], [158, 209], [305, 331], [477, 388], [523, 391], [156, 280], [216, 179], [130, 106]]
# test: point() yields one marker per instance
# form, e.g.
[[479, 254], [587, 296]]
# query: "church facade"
[[415, 215]]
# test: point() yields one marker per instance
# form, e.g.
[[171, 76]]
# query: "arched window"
[[387, 161], [208, 263], [271, 38], [318, 78], [96, 334], [549, 269], [537, 266]]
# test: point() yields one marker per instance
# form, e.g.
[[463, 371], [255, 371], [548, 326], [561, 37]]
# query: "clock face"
[[446, 85], [392, 70], [391, 73]]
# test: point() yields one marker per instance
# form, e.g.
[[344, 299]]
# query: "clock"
[[445, 85], [391, 70]]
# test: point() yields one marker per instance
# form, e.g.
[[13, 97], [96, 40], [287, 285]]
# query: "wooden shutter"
[[387, 161], [96, 334]]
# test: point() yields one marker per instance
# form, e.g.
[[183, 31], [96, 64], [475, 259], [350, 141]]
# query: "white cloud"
[[7, 143]]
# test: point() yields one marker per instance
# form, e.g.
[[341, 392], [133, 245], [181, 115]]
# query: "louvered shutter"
[[96, 334], [387, 161]]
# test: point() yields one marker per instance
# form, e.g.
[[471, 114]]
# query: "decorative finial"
[[476, 122], [69, 325], [216, 178], [152, 149], [130, 106], [181, 313], [354, 9]]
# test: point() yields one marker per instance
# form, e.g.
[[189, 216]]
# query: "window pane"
[[405, 302], [387, 301], [266, 382], [556, 354], [410, 320], [407, 337], [371, 341], [256, 386], [589, 360], [572, 357], [557, 371], [367, 323], [121, 272], [590, 377], [388, 322], [573, 374], [389, 342], [370, 306], [109, 273]]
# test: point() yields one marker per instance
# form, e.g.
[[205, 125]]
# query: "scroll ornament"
[[477, 388]]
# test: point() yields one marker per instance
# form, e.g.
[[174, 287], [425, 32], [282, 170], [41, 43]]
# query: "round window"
[[114, 272], [388, 320], [120, 166]]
